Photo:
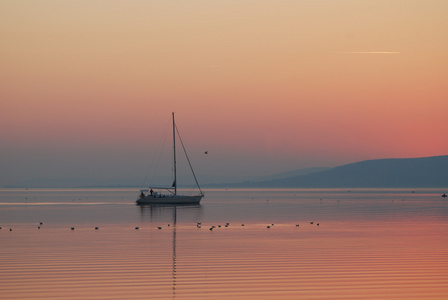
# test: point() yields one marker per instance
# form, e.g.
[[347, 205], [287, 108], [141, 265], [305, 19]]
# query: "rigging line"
[[156, 158], [188, 159], [161, 150]]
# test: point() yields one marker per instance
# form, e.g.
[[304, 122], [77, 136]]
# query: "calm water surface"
[[369, 244]]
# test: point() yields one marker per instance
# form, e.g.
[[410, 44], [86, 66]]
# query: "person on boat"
[[142, 195], [151, 191]]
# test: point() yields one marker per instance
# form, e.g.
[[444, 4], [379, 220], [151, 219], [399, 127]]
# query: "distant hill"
[[386, 173]]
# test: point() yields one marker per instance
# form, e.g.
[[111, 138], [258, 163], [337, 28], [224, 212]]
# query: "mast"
[[174, 156]]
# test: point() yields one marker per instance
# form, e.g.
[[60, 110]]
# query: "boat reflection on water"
[[156, 213], [165, 212]]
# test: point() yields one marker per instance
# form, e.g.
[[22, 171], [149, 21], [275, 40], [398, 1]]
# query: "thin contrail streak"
[[370, 52]]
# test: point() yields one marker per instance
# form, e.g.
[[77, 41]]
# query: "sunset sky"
[[87, 87]]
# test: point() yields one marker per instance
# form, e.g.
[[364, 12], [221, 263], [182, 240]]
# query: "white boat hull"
[[169, 199]]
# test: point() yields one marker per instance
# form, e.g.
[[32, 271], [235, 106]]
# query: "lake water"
[[363, 244]]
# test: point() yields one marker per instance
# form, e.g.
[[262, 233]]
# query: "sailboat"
[[169, 195]]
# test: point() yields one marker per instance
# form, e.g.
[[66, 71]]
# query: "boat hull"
[[174, 199]]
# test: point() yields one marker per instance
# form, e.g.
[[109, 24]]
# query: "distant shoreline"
[[409, 173]]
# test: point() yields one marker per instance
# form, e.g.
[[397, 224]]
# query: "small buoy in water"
[[444, 195], [38, 227], [211, 228], [10, 229], [73, 228], [311, 222], [159, 227], [242, 224], [137, 227], [268, 226], [297, 225], [96, 228], [317, 224], [41, 223]]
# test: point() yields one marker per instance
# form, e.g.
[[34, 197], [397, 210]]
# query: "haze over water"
[[369, 244]]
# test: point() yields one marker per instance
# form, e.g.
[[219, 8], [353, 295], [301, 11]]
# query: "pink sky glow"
[[86, 87]]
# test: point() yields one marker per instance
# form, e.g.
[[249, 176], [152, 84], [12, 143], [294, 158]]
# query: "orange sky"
[[265, 86]]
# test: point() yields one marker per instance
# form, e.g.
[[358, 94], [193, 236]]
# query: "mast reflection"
[[174, 251], [165, 212]]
